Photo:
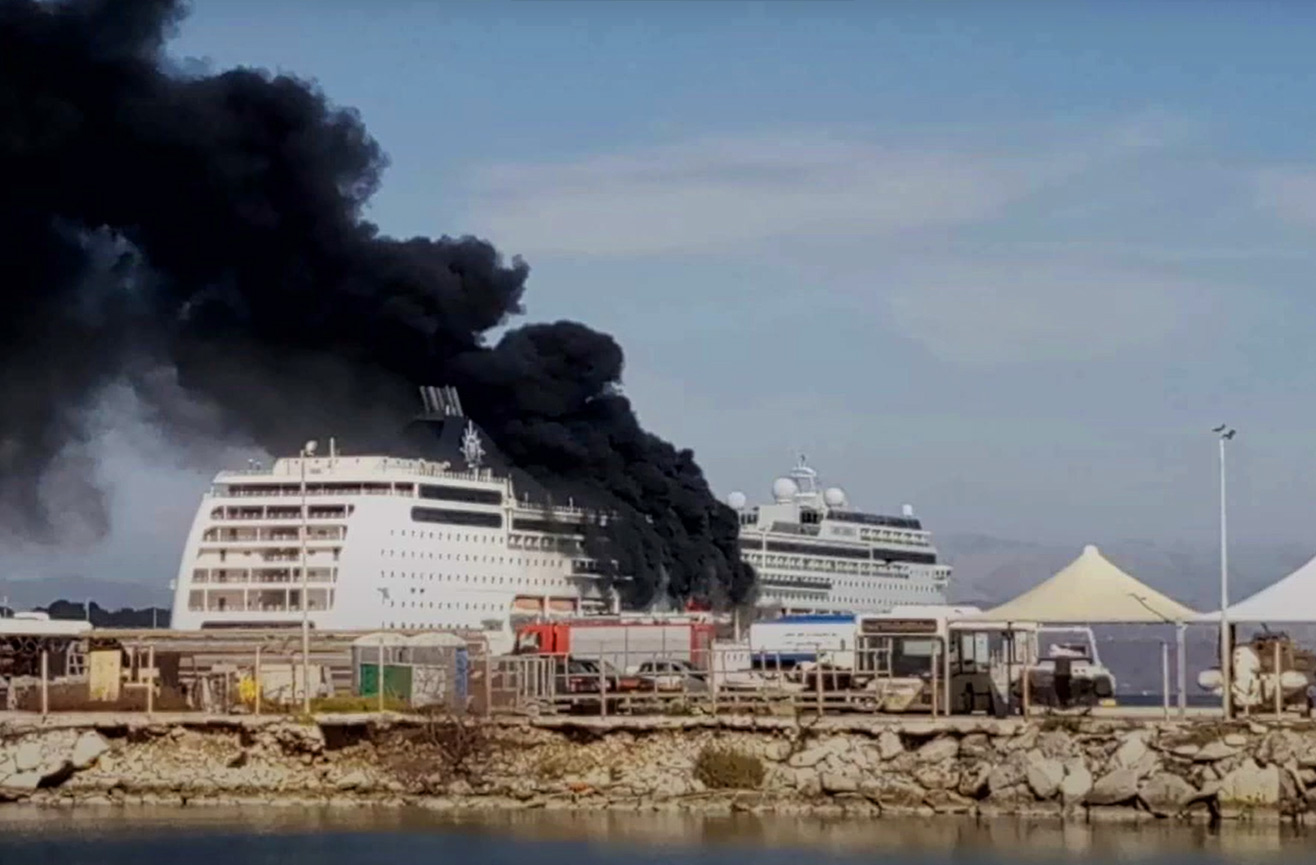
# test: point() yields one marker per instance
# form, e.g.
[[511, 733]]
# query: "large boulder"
[[894, 792], [24, 781], [1282, 746], [1132, 750], [838, 782], [939, 750], [1011, 772], [1044, 775], [974, 781], [1114, 788], [889, 745], [1251, 786], [28, 756], [1215, 751], [942, 776], [87, 750], [1076, 784], [975, 745], [1165, 793], [1057, 744], [815, 754]]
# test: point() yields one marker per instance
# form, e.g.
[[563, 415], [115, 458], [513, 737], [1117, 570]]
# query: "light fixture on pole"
[[307, 452], [1225, 433]]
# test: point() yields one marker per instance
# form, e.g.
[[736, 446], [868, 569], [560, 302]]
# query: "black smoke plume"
[[202, 236]]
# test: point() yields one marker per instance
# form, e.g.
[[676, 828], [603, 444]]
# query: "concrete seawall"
[[1055, 768]]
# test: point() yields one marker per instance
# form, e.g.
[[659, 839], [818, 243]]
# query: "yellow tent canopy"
[[1091, 590]]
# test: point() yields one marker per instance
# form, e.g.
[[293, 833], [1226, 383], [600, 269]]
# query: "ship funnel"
[[440, 402]]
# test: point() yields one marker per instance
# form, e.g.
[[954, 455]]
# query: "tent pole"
[[1181, 671]]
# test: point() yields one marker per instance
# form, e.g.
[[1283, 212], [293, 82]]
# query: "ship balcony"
[[246, 553], [262, 576], [228, 600], [272, 534], [248, 514]]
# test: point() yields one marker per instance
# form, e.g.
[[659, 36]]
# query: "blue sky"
[[1008, 262]]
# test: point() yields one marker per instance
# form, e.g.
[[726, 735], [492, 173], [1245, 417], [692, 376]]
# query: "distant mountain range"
[[990, 571], [27, 594]]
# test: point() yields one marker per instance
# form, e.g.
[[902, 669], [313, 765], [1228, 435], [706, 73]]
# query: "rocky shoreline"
[[1053, 768]]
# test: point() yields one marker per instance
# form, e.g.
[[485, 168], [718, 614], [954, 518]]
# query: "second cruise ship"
[[815, 554]]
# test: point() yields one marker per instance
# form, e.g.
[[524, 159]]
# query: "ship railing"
[[371, 469]]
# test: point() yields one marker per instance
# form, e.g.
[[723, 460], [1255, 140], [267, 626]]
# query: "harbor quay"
[[1080, 768]]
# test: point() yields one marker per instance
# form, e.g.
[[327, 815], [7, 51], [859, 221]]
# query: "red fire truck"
[[624, 644]]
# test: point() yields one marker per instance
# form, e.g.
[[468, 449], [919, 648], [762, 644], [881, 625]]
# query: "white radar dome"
[[737, 500], [784, 489], [834, 497]]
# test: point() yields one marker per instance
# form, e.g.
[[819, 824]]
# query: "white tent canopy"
[[1292, 600], [1091, 590]]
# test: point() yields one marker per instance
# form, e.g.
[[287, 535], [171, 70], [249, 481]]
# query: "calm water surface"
[[213, 836]]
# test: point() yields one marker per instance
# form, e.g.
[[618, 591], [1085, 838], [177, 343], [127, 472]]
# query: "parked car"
[[673, 675], [585, 675]]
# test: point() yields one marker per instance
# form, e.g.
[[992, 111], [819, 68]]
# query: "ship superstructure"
[[815, 554], [386, 543]]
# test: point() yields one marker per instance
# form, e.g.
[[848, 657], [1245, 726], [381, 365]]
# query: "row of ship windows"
[[468, 578], [446, 536], [492, 520], [443, 492], [755, 545], [521, 541], [281, 512], [814, 596], [448, 605], [270, 555], [492, 560], [564, 542], [771, 581], [894, 537], [275, 533], [487, 625], [828, 565]]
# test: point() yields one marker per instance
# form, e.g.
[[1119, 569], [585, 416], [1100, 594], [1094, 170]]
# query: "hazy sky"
[[1007, 263]]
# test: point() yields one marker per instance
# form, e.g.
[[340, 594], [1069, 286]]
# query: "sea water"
[[293, 836]]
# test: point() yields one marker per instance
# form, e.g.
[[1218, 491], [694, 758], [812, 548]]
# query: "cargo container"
[[794, 640]]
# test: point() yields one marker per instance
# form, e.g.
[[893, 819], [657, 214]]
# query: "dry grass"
[[721, 768]]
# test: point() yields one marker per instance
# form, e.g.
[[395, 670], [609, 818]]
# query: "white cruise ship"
[[813, 554], [390, 543]]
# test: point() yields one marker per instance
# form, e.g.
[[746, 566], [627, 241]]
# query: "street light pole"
[[306, 616], [1225, 434]]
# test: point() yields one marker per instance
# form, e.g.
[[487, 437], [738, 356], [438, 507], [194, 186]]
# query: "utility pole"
[[1225, 434]]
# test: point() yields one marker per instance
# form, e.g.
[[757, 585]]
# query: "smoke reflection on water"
[[332, 836]]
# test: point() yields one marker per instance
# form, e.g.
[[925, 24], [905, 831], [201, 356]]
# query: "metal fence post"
[[255, 674], [1165, 677], [45, 682], [1181, 670], [1279, 694], [712, 681], [935, 663], [818, 677], [488, 679], [150, 684]]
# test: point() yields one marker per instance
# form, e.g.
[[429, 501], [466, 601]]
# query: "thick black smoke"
[[203, 236]]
